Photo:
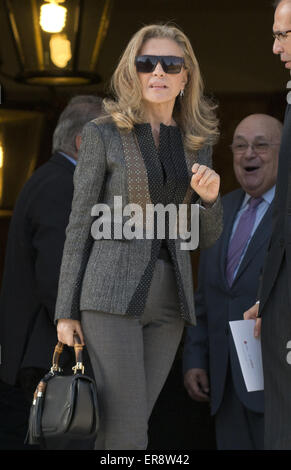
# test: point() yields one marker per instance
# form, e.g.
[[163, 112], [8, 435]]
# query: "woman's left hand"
[[205, 182]]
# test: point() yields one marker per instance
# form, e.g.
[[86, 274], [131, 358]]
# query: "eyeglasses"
[[281, 35], [258, 147], [170, 63]]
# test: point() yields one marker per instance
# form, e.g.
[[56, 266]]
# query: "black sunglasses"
[[169, 63]]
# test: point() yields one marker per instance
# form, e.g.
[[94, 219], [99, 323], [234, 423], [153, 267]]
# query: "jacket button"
[[281, 242]]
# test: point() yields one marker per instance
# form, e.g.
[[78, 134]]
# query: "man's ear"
[[78, 141]]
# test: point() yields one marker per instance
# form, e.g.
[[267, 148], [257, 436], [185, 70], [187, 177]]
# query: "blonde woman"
[[154, 147]]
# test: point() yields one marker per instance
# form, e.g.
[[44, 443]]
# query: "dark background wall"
[[233, 43]]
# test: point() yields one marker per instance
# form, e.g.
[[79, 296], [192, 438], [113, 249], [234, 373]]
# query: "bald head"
[[271, 125], [278, 2], [283, 8], [256, 144]]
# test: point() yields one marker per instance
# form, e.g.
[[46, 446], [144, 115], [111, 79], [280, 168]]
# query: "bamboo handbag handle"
[[78, 348]]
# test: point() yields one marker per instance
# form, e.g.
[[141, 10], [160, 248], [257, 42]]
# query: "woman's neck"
[[156, 115]]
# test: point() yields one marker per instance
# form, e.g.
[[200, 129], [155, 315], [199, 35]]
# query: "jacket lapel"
[[138, 184], [261, 235], [230, 210]]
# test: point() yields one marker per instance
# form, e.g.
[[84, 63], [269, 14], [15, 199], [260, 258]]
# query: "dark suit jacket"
[[280, 242], [33, 258], [209, 345], [275, 306]]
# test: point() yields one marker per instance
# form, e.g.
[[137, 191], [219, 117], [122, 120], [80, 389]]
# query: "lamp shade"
[[57, 44]]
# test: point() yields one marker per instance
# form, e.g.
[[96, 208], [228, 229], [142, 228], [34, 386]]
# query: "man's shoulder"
[[47, 180], [50, 171], [231, 198]]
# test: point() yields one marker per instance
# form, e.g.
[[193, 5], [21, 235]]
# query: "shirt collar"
[[68, 157], [268, 196]]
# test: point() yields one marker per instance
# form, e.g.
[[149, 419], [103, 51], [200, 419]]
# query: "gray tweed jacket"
[[110, 164]]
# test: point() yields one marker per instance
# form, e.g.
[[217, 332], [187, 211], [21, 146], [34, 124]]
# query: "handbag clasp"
[[55, 368], [78, 366]]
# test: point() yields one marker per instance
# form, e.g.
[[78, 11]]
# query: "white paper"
[[249, 353]]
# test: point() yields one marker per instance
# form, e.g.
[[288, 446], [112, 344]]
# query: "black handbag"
[[64, 406]]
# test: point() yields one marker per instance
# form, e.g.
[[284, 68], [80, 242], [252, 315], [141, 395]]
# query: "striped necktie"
[[240, 238]]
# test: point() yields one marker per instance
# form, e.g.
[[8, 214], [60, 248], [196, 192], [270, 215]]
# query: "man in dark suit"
[[30, 279], [228, 281], [274, 307]]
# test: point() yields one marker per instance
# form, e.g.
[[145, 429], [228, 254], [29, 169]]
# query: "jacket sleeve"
[[210, 219], [195, 354], [88, 181]]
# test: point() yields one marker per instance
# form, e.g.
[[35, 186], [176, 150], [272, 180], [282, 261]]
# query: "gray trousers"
[[131, 359]]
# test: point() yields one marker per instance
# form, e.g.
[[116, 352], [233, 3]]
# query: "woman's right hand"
[[67, 328]]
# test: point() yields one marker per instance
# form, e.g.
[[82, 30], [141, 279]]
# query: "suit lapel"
[[230, 211], [138, 181], [138, 184], [260, 236]]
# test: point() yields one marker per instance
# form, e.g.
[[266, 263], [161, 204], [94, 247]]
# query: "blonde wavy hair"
[[193, 113]]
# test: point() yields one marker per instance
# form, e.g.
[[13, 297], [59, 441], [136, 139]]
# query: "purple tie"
[[240, 237]]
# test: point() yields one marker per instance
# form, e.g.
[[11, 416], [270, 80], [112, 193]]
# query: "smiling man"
[[255, 147], [228, 281]]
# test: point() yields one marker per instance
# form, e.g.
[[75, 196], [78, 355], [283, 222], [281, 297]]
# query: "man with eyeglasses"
[[273, 309], [228, 282]]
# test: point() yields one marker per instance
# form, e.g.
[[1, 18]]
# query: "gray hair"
[[80, 110]]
